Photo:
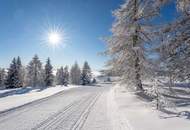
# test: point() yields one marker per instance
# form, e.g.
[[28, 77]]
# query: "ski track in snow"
[[68, 110], [74, 115]]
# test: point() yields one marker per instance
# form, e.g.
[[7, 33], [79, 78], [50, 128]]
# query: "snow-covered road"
[[78, 108]]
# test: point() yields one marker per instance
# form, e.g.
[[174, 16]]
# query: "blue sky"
[[22, 24]]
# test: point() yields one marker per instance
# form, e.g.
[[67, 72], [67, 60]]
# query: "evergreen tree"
[[35, 74], [132, 34], [175, 48], [66, 76], [75, 74], [2, 77], [48, 73], [24, 76], [60, 76], [12, 80], [20, 72], [86, 74]]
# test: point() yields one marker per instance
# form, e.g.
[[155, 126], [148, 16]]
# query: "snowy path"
[[90, 108], [69, 110]]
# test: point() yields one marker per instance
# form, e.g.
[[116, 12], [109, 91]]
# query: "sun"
[[54, 38]]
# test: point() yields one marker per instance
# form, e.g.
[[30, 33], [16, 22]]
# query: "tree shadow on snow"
[[182, 103], [144, 96], [18, 91], [182, 85], [172, 114]]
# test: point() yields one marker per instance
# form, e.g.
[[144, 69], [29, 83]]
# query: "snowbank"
[[18, 97], [136, 114]]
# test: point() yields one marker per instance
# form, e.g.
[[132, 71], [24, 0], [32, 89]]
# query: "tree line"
[[37, 75]]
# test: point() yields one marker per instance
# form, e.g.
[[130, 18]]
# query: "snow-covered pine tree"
[[2, 77], [174, 53], [48, 73], [75, 74], [86, 74], [132, 32], [66, 76], [24, 75], [19, 69], [57, 77], [13, 79], [35, 74], [60, 76], [175, 48]]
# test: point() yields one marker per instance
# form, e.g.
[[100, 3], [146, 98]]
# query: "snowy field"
[[139, 114], [11, 98]]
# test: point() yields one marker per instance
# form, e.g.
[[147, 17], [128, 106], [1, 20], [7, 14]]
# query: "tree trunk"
[[138, 75], [138, 81]]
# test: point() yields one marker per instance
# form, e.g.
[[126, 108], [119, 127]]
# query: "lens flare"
[[54, 37]]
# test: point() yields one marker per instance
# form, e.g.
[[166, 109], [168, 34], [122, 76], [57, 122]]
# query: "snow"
[[139, 114], [105, 115], [63, 111], [18, 97], [118, 120], [96, 73], [100, 107], [8, 90], [98, 118]]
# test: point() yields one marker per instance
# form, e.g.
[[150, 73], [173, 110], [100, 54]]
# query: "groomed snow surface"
[[101, 107], [12, 98]]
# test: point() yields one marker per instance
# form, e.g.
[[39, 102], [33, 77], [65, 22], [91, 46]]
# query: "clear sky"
[[23, 22]]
